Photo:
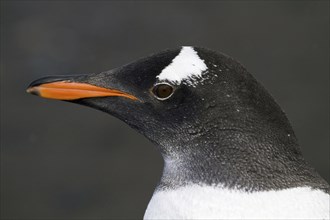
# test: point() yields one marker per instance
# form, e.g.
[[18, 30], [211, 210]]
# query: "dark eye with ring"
[[162, 91]]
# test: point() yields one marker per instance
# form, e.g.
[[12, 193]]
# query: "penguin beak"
[[65, 88]]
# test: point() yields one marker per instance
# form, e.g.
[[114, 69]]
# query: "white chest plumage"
[[208, 202]]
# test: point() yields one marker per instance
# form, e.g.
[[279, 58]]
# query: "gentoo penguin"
[[229, 150]]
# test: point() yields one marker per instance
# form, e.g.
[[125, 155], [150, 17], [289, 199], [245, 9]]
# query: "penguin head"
[[178, 99]]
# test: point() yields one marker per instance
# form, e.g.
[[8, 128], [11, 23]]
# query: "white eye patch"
[[187, 66]]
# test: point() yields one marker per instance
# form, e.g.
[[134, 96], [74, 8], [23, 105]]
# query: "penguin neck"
[[234, 158]]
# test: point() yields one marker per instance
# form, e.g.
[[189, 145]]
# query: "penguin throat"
[[235, 160]]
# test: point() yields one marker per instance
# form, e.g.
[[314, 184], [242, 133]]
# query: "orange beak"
[[66, 90]]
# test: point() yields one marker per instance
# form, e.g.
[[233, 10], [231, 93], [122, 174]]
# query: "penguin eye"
[[162, 91]]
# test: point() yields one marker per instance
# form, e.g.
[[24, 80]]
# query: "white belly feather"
[[208, 202]]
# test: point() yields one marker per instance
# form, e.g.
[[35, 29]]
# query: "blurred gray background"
[[62, 161]]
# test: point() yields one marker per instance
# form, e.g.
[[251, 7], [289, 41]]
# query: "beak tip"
[[32, 90]]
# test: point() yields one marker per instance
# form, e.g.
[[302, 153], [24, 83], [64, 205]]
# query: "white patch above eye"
[[187, 66]]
